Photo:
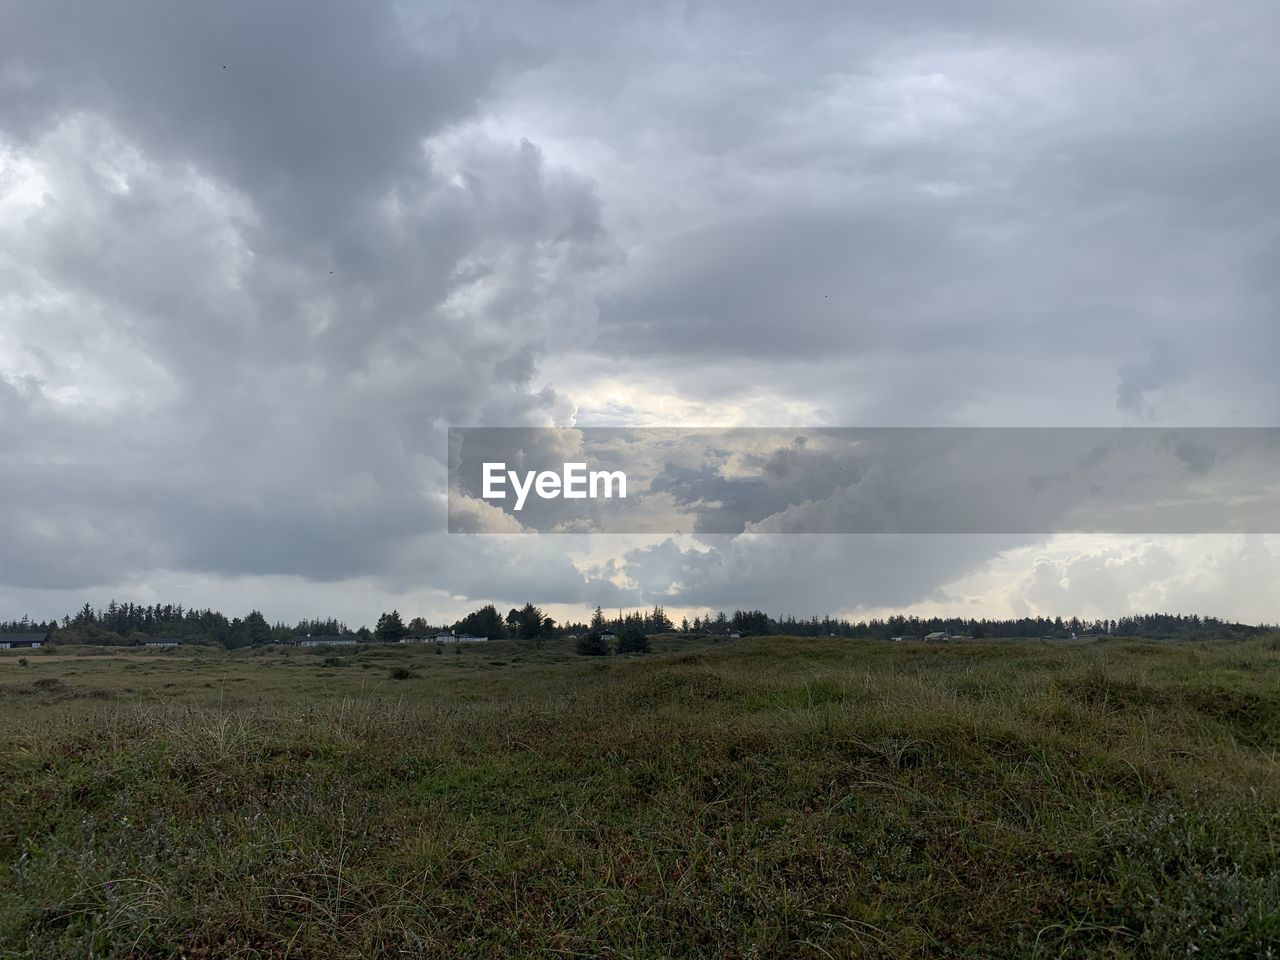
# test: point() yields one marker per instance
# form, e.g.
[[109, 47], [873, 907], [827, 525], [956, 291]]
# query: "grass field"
[[762, 798]]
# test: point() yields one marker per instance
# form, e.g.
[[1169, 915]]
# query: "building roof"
[[23, 637]]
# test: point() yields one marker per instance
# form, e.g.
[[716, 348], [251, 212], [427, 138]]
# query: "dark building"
[[15, 641]]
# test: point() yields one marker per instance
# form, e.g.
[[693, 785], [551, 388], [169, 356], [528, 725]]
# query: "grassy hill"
[[775, 797]]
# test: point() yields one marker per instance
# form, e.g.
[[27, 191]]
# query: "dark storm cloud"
[[964, 191], [240, 200], [789, 284], [291, 97]]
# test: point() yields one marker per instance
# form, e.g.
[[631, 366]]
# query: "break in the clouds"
[[255, 258]]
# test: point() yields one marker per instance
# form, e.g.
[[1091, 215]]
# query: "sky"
[[255, 259]]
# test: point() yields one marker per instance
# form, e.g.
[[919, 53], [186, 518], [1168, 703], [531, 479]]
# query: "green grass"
[[767, 798]]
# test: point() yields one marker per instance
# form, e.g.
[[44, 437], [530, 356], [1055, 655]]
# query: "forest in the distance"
[[130, 623]]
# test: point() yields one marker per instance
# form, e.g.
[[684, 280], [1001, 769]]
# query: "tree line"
[[126, 623]]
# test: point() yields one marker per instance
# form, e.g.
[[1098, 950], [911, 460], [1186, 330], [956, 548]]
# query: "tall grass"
[[772, 798]]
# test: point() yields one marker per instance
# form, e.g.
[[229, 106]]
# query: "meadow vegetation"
[[772, 797]]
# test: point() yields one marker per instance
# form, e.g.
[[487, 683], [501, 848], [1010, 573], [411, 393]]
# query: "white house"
[[161, 642]]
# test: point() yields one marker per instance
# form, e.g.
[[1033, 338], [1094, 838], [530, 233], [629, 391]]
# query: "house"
[[608, 636], [18, 641], [162, 642], [310, 641], [735, 635], [456, 638], [416, 639], [935, 637]]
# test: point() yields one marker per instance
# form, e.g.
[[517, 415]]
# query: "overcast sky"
[[255, 258]]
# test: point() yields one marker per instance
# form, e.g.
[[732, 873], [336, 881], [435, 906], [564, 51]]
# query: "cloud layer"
[[254, 259]]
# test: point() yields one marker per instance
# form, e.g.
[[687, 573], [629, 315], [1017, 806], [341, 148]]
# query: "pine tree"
[[631, 640], [592, 645], [390, 627]]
